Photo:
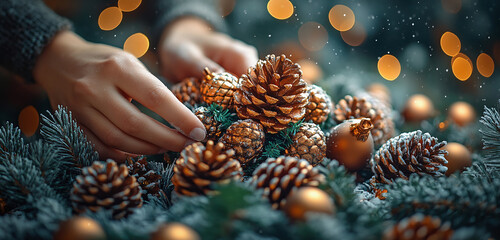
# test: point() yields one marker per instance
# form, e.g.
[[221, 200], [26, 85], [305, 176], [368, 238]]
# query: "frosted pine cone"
[[105, 185], [354, 107], [281, 176], [246, 138], [212, 126], [188, 91], [272, 93], [148, 179], [309, 143], [219, 88], [320, 105], [419, 227], [409, 153], [199, 166]]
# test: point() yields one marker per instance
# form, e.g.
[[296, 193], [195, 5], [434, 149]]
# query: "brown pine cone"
[[148, 179], [105, 185], [199, 166], [309, 143], [320, 105], [211, 125], [272, 93], [188, 91], [246, 138], [219, 88], [282, 176], [409, 153], [419, 227], [354, 107]]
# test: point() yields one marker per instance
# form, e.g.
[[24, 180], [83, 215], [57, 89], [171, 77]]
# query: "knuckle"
[[118, 60], [132, 125], [156, 96]]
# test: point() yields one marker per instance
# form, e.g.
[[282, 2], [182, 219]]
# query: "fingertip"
[[198, 134]]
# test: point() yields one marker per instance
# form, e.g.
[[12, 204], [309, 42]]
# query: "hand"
[[97, 83], [188, 45]]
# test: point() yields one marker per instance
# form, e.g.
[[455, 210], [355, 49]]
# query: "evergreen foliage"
[[491, 136]]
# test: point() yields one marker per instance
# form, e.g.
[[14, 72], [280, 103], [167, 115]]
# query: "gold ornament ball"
[[175, 231], [418, 108], [462, 114], [308, 200], [349, 146], [79, 228], [459, 157]]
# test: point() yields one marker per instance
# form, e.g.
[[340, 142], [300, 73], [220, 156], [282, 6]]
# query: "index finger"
[[145, 88]]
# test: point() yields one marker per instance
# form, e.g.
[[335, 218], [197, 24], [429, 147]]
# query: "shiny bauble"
[[462, 114], [351, 143], [79, 228], [308, 200], [459, 157], [418, 108], [175, 231]]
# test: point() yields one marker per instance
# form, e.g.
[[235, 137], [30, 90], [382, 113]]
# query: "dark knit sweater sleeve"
[[165, 11], [26, 26]]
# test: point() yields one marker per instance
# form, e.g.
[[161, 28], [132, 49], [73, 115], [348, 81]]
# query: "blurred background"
[[447, 50]]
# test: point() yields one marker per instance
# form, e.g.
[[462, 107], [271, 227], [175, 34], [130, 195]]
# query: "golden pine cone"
[[212, 126], [309, 143], [272, 93], [188, 91], [199, 166], [148, 179], [246, 138], [409, 153], [282, 176], [354, 107], [219, 88], [320, 105], [105, 185], [419, 227]]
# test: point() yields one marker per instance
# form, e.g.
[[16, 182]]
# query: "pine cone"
[[199, 166], [188, 91], [282, 176], [272, 93], [211, 125], [320, 105], [105, 185], [309, 143], [353, 107], [148, 179], [419, 227], [409, 153], [219, 88], [246, 138]]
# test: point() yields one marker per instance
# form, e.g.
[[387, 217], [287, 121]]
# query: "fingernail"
[[198, 134], [188, 142]]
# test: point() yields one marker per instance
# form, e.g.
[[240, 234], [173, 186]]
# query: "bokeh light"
[[311, 72], [137, 44], [313, 36], [28, 120], [389, 67], [485, 65], [280, 9], [110, 18], [226, 6], [450, 44], [451, 6], [341, 17], [461, 65], [129, 5], [354, 36], [462, 113]]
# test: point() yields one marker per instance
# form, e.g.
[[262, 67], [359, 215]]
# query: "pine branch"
[[491, 136], [70, 143], [11, 141], [225, 117], [463, 200], [46, 159]]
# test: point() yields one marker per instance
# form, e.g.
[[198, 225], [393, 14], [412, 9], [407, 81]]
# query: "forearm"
[[26, 27]]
